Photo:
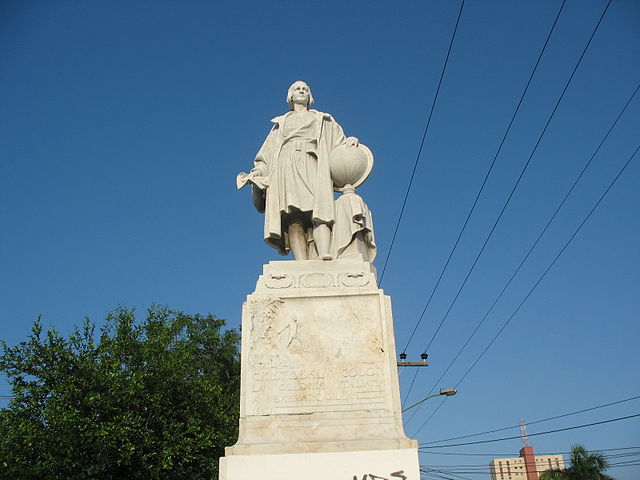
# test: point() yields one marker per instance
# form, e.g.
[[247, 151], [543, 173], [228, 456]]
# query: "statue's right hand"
[[242, 179], [253, 177]]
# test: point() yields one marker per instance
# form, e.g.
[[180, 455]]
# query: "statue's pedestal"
[[319, 392], [396, 464]]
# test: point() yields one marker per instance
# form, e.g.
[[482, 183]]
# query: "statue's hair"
[[290, 94]]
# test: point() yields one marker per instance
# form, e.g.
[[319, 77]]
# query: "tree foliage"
[[585, 465], [152, 399]]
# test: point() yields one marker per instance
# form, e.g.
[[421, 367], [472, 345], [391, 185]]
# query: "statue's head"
[[299, 88]]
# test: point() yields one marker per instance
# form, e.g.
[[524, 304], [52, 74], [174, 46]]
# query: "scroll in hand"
[[243, 178]]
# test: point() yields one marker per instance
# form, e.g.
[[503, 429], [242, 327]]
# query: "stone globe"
[[350, 165]]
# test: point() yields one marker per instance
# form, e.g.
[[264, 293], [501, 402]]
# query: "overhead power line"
[[544, 274], [486, 176], [625, 464], [500, 454], [455, 474], [429, 417], [524, 169], [604, 194], [424, 136], [539, 237], [484, 464], [475, 201], [436, 475], [441, 474], [519, 179], [584, 425], [483, 469], [555, 417]]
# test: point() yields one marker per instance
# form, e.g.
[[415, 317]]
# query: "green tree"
[[152, 399], [585, 465]]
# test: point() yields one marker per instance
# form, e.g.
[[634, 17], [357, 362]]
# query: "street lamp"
[[447, 392]]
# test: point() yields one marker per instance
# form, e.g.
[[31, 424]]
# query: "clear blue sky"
[[124, 124]]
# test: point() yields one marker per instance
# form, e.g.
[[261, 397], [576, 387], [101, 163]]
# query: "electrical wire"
[[424, 136], [630, 463], [519, 179], [544, 274], [524, 169], [554, 261], [486, 470], [486, 176], [540, 235], [484, 465], [538, 421], [426, 473], [429, 417], [494, 454], [441, 473], [477, 197], [617, 419]]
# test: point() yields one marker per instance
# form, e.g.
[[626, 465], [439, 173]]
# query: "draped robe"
[[296, 162]]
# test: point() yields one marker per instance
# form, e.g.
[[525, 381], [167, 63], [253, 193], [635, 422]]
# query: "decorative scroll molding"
[[354, 279], [279, 280]]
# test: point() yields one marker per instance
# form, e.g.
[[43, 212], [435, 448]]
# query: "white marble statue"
[[319, 394], [291, 178], [352, 235]]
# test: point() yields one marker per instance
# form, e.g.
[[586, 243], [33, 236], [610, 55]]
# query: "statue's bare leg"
[[322, 239], [297, 240]]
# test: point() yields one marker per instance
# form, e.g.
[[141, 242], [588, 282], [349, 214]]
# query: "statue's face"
[[300, 93]]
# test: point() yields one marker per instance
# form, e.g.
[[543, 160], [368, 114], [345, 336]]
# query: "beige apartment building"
[[525, 467]]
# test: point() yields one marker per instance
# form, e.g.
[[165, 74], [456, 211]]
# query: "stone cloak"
[[329, 135]]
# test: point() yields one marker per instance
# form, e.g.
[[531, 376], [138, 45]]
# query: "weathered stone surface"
[[319, 371], [400, 464]]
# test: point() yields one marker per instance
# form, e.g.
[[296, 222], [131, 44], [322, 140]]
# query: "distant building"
[[525, 467]]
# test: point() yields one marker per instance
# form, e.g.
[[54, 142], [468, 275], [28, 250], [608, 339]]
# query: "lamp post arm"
[[418, 403]]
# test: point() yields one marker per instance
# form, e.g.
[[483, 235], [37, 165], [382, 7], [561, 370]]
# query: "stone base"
[[399, 464], [319, 388]]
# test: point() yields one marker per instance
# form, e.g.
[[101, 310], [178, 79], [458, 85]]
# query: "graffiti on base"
[[370, 476]]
